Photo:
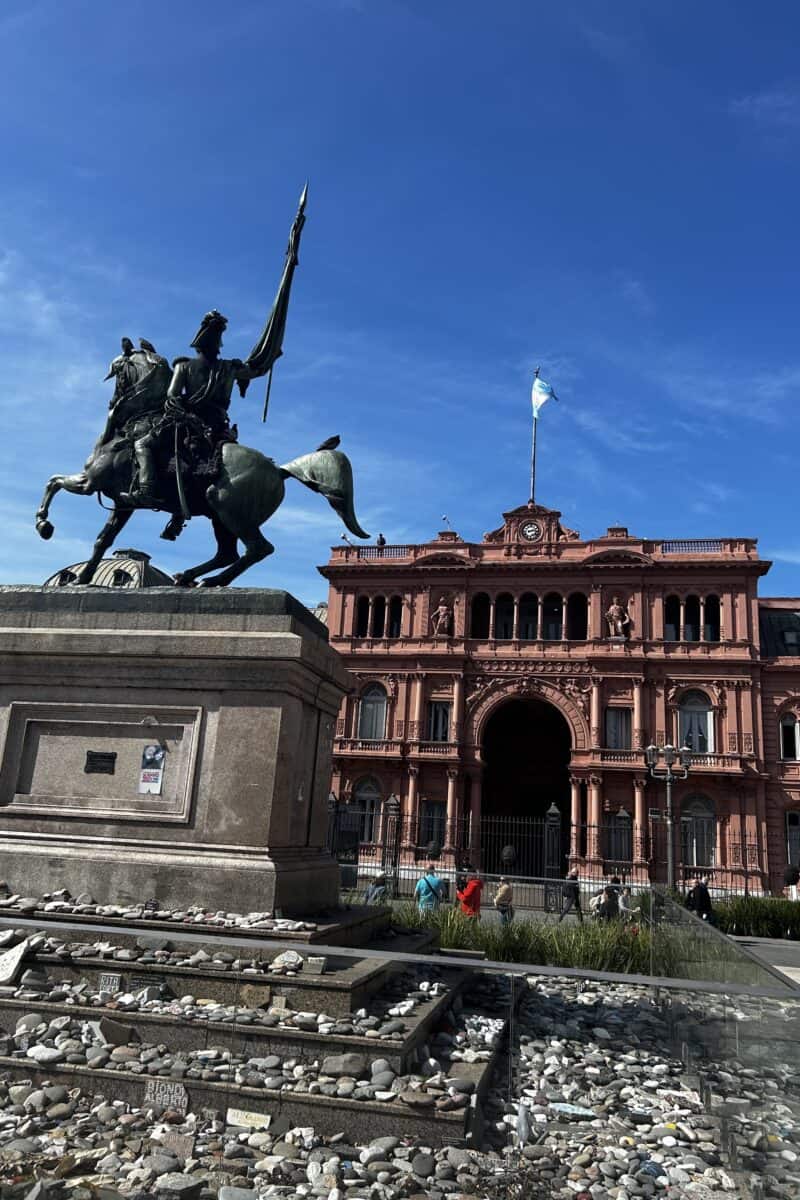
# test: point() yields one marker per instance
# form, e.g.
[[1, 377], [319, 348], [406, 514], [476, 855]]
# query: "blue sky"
[[608, 190]]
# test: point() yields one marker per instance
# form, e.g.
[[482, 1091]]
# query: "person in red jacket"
[[470, 897]]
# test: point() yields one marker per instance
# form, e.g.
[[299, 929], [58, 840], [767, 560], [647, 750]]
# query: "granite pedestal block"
[[237, 690]]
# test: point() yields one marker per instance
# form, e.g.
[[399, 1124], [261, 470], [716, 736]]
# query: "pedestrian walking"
[[504, 901], [571, 896], [608, 908], [791, 878], [470, 897], [429, 889]]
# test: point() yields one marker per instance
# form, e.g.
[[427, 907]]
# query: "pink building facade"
[[509, 683]]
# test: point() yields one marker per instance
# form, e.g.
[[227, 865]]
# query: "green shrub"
[[759, 916], [612, 946]]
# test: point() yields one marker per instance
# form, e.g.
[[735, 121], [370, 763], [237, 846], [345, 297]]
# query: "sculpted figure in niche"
[[618, 619], [442, 619]]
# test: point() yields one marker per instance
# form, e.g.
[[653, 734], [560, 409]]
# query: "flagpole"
[[533, 444]]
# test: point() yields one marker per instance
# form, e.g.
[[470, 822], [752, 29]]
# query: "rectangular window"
[[431, 823], [789, 738], [793, 837], [618, 728], [439, 721]]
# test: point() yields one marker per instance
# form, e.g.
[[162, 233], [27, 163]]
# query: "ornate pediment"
[[531, 526]]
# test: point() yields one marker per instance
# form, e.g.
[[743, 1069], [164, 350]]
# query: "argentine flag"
[[540, 394]]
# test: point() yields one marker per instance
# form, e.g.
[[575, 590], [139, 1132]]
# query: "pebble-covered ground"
[[593, 1105]]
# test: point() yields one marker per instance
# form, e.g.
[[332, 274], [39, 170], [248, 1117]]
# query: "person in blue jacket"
[[429, 890]]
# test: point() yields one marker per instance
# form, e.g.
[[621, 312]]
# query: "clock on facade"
[[531, 531]]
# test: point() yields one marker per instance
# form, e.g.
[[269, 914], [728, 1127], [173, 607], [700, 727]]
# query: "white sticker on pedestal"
[[151, 774], [246, 1119]]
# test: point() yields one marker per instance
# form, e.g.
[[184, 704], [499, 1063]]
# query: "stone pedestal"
[[239, 692]]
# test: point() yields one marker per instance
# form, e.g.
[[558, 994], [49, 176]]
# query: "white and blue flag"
[[540, 394]]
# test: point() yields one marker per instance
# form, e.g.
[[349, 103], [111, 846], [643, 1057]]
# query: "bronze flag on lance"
[[269, 346]]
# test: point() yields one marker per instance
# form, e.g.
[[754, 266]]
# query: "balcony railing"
[[365, 552], [693, 546], [434, 748], [370, 746]]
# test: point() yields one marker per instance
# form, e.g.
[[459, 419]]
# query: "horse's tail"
[[328, 472]]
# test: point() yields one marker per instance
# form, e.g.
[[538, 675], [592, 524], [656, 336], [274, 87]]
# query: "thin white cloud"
[[635, 293], [775, 108], [613, 47]]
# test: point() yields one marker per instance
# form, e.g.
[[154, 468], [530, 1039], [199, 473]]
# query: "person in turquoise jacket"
[[429, 889]]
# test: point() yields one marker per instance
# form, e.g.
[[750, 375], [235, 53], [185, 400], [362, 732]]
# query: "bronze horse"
[[246, 490]]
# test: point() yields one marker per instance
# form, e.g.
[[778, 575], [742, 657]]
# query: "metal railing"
[[693, 546]]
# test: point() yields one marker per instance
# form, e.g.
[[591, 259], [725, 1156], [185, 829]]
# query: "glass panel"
[[438, 721], [372, 714], [618, 728], [789, 738], [696, 724]]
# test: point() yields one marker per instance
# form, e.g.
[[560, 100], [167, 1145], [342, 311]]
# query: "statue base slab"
[[167, 744]]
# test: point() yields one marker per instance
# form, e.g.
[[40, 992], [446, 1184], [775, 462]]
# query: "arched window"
[[479, 616], [528, 616], [790, 737], [362, 616], [691, 619], [395, 617], [367, 807], [698, 832], [696, 723], [65, 577], [372, 714], [713, 620], [378, 616], [577, 617], [672, 619], [504, 617], [552, 613], [121, 578]]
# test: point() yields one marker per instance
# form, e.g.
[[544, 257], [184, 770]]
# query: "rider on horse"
[[196, 404]]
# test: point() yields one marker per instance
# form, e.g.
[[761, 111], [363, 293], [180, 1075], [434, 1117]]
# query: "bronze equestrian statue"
[[168, 444]]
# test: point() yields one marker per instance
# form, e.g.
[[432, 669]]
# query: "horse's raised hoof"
[[45, 529], [181, 580], [212, 581]]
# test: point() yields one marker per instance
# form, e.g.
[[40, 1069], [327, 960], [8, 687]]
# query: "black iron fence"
[[370, 840]]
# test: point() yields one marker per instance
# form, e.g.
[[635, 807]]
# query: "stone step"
[[355, 926], [345, 985], [358, 1120], [251, 1039]]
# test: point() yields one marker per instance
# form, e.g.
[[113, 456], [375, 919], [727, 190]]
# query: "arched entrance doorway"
[[526, 748]]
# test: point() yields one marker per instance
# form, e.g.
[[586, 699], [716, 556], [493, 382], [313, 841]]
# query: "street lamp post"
[[670, 756]]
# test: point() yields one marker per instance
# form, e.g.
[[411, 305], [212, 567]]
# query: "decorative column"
[[539, 617], [702, 629], [563, 618], [574, 816], [638, 723], [639, 820], [657, 630], [595, 813], [458, 709], [515, 631], [595, 629], [492, 615], [412, 815], [682, 624], [416, 720], [595, 714], [370, 616], [452, 809]]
